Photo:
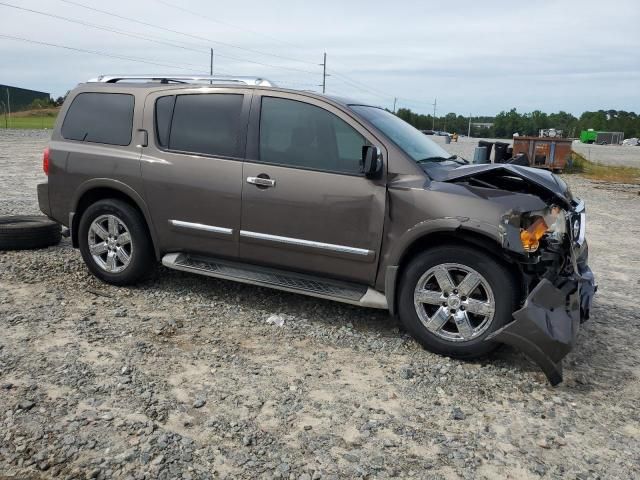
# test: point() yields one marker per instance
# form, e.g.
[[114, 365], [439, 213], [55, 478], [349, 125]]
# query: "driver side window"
[[298, 134]]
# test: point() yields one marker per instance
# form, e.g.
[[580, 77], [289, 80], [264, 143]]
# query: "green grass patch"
[[604, 173], [28, 122], [32, 119]]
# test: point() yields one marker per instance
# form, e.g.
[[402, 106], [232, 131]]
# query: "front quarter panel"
[[417, 210]]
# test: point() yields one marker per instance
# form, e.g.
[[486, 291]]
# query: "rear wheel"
[[114, 242], [452, 298]]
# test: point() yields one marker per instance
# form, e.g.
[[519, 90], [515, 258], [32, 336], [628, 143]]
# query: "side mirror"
[[371, 161]]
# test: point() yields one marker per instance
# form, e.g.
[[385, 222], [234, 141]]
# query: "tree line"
[[505, 124]]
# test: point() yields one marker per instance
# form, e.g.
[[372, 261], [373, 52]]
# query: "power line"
[[133, 35], [358, 84], [345, 79], [100, 27], [323, 64], [197, 37], [361, 87], [376, 92], [94, 52], [201, 16]]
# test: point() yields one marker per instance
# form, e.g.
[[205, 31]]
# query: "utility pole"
[[211, 67], [8, 104], [435, 103], [395, 99], [469, 131], [324, 73]]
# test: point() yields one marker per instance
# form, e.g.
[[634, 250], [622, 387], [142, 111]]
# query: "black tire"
[[21, 232], [498, 277], [142, 254]]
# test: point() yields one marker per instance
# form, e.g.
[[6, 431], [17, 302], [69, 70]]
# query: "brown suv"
[[238, 179]]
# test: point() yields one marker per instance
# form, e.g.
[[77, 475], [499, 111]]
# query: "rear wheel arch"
[[95, 193]]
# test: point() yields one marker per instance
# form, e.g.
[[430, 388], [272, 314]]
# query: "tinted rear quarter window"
[[100, 118], [164, 111], [204, 123]]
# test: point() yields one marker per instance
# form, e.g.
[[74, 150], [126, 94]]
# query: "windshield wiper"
[[453, 158]]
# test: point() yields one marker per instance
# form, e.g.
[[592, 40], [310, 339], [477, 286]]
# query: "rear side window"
[[100, 118], [208, 124]]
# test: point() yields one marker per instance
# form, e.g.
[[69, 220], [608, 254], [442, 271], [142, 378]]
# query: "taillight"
[[45, 161]]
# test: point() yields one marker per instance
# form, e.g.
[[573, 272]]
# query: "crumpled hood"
[[539, 178]]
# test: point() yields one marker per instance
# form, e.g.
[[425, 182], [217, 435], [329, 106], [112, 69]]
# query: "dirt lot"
[[184, 377]]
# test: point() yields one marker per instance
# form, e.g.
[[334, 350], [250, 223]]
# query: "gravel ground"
[[603, 154], [192, 377]]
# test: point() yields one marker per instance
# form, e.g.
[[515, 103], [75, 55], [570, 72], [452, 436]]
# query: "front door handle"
[[262, 181]]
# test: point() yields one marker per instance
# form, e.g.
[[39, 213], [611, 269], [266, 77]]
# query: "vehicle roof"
[[157, 86]]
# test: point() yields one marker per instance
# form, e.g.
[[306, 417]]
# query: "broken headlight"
[[535, 225]]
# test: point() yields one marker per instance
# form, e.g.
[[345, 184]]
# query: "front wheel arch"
[[501, 288], [459, 237]]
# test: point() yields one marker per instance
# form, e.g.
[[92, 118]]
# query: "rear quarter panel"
[[73, 164]]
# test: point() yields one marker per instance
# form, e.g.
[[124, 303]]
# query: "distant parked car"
[[428, 132]]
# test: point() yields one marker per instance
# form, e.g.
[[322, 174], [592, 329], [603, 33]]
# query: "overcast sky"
[[475, 57]]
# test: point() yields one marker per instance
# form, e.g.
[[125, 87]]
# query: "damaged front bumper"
[[547, 325]]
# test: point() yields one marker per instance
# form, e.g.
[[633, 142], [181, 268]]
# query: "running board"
[[278, 279]]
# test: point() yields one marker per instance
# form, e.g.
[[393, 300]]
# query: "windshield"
[[412, 141]]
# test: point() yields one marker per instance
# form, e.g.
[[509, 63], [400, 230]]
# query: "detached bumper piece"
[[546, 327]]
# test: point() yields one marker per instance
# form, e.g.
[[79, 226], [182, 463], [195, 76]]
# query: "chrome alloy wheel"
[[454, 302], [110, 243]]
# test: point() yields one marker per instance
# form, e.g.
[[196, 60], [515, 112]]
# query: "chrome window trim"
[[200, 226], [307, 243]]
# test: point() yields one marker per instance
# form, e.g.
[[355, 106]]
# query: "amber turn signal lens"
[[531, 236]]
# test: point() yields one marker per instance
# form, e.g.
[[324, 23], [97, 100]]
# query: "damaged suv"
[[237, 179]]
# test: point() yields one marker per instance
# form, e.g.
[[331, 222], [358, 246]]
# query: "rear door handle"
[[261, 181]]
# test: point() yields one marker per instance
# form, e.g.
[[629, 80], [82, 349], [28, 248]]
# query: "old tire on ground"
[[451, 298], [115, 243], [25, 232]]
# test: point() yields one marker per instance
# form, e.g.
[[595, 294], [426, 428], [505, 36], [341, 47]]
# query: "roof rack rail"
[[180, 79]]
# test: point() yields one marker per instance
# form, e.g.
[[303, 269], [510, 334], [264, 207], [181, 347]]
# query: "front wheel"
[[114, 242], [452, 298]]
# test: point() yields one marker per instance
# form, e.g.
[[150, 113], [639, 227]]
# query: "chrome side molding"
[[307, 243], [201, 227]]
